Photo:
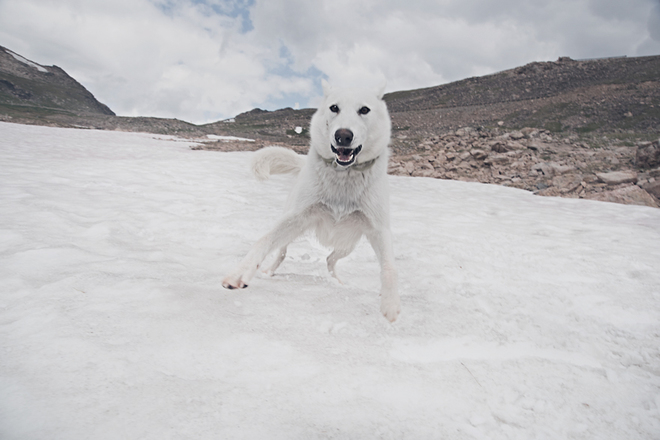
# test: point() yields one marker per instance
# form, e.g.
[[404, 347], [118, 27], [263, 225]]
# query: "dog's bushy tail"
[[276, 160]]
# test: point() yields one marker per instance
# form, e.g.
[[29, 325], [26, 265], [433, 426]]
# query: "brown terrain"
[[587, 129]]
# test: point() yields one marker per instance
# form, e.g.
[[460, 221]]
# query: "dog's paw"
[[333, 274], [390, 308], [233, 283]]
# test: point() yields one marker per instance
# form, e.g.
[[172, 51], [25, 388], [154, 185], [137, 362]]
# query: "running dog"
[[341, 192]]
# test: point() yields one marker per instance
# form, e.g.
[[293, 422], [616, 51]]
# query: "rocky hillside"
[[566, 95], [538, 161], [566, 128], [32, 91], [618, 97]]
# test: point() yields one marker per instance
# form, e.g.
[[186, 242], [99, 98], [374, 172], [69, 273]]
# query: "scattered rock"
[[551, 191], [530, 132], [466, 131], [535, 160], [535, 146], [648, 155], [512, 145], [479, 154], [567, 183], [629, 195], [561, 169], [653, 188], [544, 169], [617, 177], [496, 159], [498, 146]]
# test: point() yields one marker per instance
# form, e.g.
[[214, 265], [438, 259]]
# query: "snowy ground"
[[522, 317]]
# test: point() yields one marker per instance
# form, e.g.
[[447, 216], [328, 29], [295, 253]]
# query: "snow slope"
[[26, 61], [522, 317]]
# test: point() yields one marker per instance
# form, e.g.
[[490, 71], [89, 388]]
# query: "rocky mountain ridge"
[[32, 89], [566, 128], [555, 128]]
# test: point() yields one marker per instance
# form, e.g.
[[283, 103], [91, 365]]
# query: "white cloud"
[[654, 23], [141, 58], [205, 60]]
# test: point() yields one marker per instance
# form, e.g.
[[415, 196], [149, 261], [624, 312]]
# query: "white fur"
[[275, 160], [340, 204]]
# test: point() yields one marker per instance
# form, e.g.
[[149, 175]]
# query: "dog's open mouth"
[[345, 156]]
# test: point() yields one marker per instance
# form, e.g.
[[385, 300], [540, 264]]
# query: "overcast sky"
[[205, 60]]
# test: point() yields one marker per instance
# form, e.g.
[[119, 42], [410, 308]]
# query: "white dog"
[[341, 192]]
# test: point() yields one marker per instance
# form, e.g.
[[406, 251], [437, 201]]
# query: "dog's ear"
[[381, 89], [327, 88]]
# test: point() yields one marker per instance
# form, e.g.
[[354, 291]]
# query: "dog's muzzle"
[[345, 156]]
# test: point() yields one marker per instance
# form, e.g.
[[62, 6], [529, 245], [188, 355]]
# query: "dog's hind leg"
[[346, 235], [336, 255], [280, 257]]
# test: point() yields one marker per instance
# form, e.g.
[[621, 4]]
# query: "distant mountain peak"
[[28, 86], [24, 60]]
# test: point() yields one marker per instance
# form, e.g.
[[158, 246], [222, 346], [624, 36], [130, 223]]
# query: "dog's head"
[[351, 126]]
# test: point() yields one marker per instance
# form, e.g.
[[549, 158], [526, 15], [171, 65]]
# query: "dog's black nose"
[[344, 137]]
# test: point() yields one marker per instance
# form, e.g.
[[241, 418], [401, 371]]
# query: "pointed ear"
[[327, 88], [381, 89]]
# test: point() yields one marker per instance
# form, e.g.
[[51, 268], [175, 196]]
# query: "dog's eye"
[[334, 108], [364, 110]]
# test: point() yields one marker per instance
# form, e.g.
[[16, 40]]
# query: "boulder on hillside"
[[653, 188], [550, 169], [466, 131], [617, 177], [629, 195], [567, 183], [648, 155], [479, 154]]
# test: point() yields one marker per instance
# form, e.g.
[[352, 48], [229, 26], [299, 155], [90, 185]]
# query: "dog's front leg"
[[285, 232], [381, 241]]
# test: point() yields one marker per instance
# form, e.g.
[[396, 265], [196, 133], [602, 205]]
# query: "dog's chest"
[[343, 192], [343, 232]]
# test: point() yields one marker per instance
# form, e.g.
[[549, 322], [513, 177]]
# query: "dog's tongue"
[[345, 154]]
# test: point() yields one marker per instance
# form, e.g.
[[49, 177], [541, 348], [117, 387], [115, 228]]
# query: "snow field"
[[522, 317]]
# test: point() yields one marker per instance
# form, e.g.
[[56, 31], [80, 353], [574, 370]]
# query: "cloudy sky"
[[205, 60]]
